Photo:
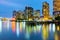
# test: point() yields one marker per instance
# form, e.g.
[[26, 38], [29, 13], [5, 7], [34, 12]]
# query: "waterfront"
[[21, 31]]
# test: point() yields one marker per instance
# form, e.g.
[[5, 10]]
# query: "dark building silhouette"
[[28, 12], [56, 9]]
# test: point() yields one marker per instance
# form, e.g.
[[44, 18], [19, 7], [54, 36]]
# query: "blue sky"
[[7, 6]]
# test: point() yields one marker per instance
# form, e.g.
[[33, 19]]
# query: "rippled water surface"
[[22, 31]]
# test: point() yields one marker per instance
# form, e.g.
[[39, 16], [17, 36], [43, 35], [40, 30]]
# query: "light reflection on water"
[[0, 25], [53, 27], [17, 29], [21, 30], [8, 25]]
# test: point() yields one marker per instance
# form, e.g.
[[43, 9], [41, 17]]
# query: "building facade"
[[18, 15], [56, 5], [28, 13], [45, 11], [36, 14], [56, 9]]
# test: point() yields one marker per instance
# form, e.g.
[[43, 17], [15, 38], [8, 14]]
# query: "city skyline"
[[10, 6], [29, 19]]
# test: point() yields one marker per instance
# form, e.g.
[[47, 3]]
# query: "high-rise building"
[[56, 9], [56, 5], [45, 10], [36, 14], [28, 12], [19, 15]]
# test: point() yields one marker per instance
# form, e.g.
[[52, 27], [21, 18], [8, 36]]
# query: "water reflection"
[[30, 32], [21, 26], [53, 27], [0, 26], [13, 24], [57, 28], [45, 31], [8, 25], [50, 27], [17, 29]]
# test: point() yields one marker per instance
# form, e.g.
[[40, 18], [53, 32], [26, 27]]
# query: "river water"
[[20, 31]]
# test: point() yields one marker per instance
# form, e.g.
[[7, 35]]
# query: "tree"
[[57, 18]]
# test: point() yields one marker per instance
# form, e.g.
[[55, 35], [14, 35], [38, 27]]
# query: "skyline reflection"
[[20, 29]]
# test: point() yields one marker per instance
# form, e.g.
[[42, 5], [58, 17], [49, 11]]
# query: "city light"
[[17, 29], [32, 23], [0, 25]]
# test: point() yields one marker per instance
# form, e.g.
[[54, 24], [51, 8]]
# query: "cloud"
[[7, 3]]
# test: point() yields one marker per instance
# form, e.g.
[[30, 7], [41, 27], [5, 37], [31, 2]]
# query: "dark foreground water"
[[19, 31]]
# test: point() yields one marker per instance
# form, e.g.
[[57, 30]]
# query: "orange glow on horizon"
[[13, 19]]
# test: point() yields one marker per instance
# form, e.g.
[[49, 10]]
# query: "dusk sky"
[[8, 6]]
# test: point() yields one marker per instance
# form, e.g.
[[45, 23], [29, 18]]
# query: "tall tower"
[[56, 9], [56, 13], [45, 10], [56, 5], [28, 12]]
